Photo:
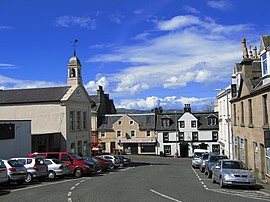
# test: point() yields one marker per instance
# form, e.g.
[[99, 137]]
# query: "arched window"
[[72, 72]]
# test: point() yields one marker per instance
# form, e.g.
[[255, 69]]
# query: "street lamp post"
[[176, 146]]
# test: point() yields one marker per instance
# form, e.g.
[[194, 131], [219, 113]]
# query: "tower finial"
[[74, 46]]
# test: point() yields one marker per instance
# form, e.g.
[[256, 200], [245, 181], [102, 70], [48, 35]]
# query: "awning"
[[138, 141], [95, 149]]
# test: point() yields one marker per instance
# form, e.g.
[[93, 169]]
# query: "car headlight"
[[229, 175]]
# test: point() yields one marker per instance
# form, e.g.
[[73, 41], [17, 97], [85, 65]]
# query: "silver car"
[[57, 168], [3, 173], [36, 168], [233, 172], [16, 171]]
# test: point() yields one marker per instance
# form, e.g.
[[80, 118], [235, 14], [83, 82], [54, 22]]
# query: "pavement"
[[262, 186]]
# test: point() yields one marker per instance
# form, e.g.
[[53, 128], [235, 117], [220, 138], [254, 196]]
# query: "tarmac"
[[262, 186]]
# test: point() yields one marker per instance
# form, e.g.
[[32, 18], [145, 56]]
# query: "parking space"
[[260, 192]]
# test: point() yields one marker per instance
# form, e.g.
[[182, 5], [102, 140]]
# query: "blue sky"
[[145, 53]]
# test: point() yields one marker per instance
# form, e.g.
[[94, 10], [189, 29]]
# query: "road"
[[152, 178]]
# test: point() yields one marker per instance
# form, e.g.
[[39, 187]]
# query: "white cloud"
[[10, 83], [68, 21], [137, 11], [8, 66], [191, 9], [203, 52], [221, 5], [170, 102], [178, 22], [117, 18], [92, 86]]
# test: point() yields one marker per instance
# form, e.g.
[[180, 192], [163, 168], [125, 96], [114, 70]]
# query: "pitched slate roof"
[[145, 121], [265, 42], [202, 121], [32, 95]]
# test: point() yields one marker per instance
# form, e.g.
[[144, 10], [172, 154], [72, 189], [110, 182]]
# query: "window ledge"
[[265, 126], [250, 125], [242, 125]]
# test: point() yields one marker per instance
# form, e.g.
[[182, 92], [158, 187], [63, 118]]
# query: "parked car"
[[104, 163], [115, 161], [211, 161], [57, 168], [78, 166], [232, 172], [97, 167], [36, 168], [126, 161], [3, 173], [196, 160], [203, 161], [16, 171]]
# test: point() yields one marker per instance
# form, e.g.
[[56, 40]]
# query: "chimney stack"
[[244, 48], [255, 52], [187, 108]]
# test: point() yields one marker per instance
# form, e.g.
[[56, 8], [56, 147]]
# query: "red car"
[[104, 163]]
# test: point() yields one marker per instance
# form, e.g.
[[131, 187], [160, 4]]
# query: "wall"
[[21, 145]]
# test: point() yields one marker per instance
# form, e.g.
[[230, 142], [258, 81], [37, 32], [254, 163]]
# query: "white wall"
[[21, 145]]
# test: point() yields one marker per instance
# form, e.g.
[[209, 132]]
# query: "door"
[[134, 148], [112, 147], [68, 160], [183, 150]]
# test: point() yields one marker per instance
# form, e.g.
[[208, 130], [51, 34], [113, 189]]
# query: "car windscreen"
[[39, 161], [15, 163], [2, 165], [234, 165], [56, 161], [197, 154], [76, 156], [216, 158]]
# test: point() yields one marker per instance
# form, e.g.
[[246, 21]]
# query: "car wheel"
[[202, 170], [111, 166], [213, 179], [28, 178], [221, 182], [78, 172], [205, 172], [51, 175], [209, 174]]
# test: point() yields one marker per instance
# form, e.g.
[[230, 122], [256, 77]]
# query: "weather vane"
[[74, 46]]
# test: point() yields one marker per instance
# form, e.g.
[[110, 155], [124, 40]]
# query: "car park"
[[203, 161], [3, 173], [36, 168], [16, 171], [115, 161], [57, 168], [78, 166], [211, 161], [196, 160], [232, 172]]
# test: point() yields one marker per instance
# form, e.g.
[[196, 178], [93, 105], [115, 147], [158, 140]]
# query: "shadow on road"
[[4, 192], [137, 164]]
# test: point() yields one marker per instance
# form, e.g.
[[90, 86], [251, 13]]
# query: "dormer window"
[[264, 64], [165, 122], [212, 121]]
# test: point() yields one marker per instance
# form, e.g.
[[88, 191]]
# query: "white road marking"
[[69, 200], [72, 188], [165, 196], [69, 194], [77, 184], [42, 185]]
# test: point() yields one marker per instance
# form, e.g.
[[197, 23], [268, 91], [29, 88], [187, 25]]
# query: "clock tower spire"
[[74, 68]]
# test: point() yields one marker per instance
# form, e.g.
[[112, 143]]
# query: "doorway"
[[112, 147], [183, 150]]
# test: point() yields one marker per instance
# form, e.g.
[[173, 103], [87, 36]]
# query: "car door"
[[216, 170], [3, 172], [67, 160]]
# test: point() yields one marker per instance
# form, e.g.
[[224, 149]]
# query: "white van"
[[197, 157]]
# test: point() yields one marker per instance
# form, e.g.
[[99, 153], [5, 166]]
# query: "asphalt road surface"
[[150, 178]]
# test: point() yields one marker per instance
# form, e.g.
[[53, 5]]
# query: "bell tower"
[[74, 69]]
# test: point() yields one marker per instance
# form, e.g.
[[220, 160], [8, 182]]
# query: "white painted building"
[[15, 138], [224, 115], [180, 134]]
